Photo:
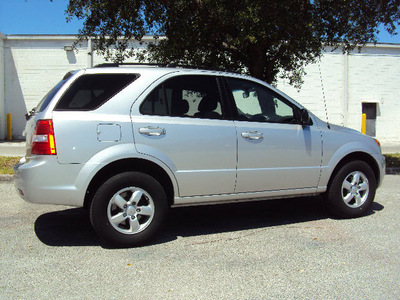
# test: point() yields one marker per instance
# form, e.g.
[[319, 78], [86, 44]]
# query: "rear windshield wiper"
[[30, 114]]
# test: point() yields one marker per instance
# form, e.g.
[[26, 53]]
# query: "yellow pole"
[[363, 123], [9, 129]]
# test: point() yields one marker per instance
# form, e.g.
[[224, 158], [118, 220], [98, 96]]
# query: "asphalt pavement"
[[280, 249]]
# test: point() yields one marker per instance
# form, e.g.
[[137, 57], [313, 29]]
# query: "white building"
[[30, 65]]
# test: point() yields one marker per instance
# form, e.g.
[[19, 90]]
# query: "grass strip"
[[392, 160], [7, 163]]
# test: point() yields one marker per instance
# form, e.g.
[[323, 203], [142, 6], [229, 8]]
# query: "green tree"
[[261, 38]]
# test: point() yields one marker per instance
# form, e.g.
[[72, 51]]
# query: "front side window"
[[89, 92], [257, 103], [195, 96]]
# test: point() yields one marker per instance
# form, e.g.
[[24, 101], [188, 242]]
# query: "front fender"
[[332, 159]]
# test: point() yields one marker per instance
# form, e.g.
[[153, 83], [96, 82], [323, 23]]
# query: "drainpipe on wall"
[[345, 101], [2, 89], [90, 54]]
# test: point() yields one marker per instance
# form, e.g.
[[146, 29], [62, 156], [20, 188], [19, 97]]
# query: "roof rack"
[[111, 65]]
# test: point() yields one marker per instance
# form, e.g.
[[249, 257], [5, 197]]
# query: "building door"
[[370, 110]]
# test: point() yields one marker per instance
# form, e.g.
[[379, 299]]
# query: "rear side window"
[[195, 96], [89, 92]]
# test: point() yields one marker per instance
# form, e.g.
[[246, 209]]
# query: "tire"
[[128, 209], [352, 190]]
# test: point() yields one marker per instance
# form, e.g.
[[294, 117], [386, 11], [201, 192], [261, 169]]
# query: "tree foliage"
[[259, 37]]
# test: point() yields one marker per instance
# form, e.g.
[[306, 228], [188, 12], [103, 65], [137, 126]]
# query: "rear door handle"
[[252, 135], [152, 131]]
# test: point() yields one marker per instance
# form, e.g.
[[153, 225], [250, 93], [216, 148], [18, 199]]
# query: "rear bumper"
[[42, 179]]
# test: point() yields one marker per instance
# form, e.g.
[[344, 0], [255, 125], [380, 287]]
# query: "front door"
[[274, 151]]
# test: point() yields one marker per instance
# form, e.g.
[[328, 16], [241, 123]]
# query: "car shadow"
[[71, 227]]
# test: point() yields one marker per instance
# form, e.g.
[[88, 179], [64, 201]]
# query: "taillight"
[[43, 142]]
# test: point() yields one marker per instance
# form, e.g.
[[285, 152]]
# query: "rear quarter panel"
[[78, 135]]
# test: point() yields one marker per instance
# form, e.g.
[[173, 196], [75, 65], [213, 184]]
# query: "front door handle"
[[252, 135], [152, 131]]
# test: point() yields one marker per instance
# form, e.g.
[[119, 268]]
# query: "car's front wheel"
[[352, 190], [128, 209]]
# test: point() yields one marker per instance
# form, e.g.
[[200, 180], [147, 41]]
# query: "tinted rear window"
[[89, 92]]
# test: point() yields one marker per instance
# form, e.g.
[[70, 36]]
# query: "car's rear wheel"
[[128, 209], [352, 190]]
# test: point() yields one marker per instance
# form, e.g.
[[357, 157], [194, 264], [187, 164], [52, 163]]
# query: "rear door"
[[182, 123]]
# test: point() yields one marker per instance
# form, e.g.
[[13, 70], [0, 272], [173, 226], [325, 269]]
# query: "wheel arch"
[[130, 164], [359, 155]]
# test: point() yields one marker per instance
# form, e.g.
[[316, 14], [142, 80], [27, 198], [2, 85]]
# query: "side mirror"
[[303, 118]]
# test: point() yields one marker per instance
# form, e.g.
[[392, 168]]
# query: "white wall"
[[3, 123], [375, 77], [348, 81], [312, 92], [34, 64]]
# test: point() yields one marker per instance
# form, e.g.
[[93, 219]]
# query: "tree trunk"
[[258, 65]]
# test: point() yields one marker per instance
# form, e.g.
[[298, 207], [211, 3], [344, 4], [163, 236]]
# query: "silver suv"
[[129, 142]]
